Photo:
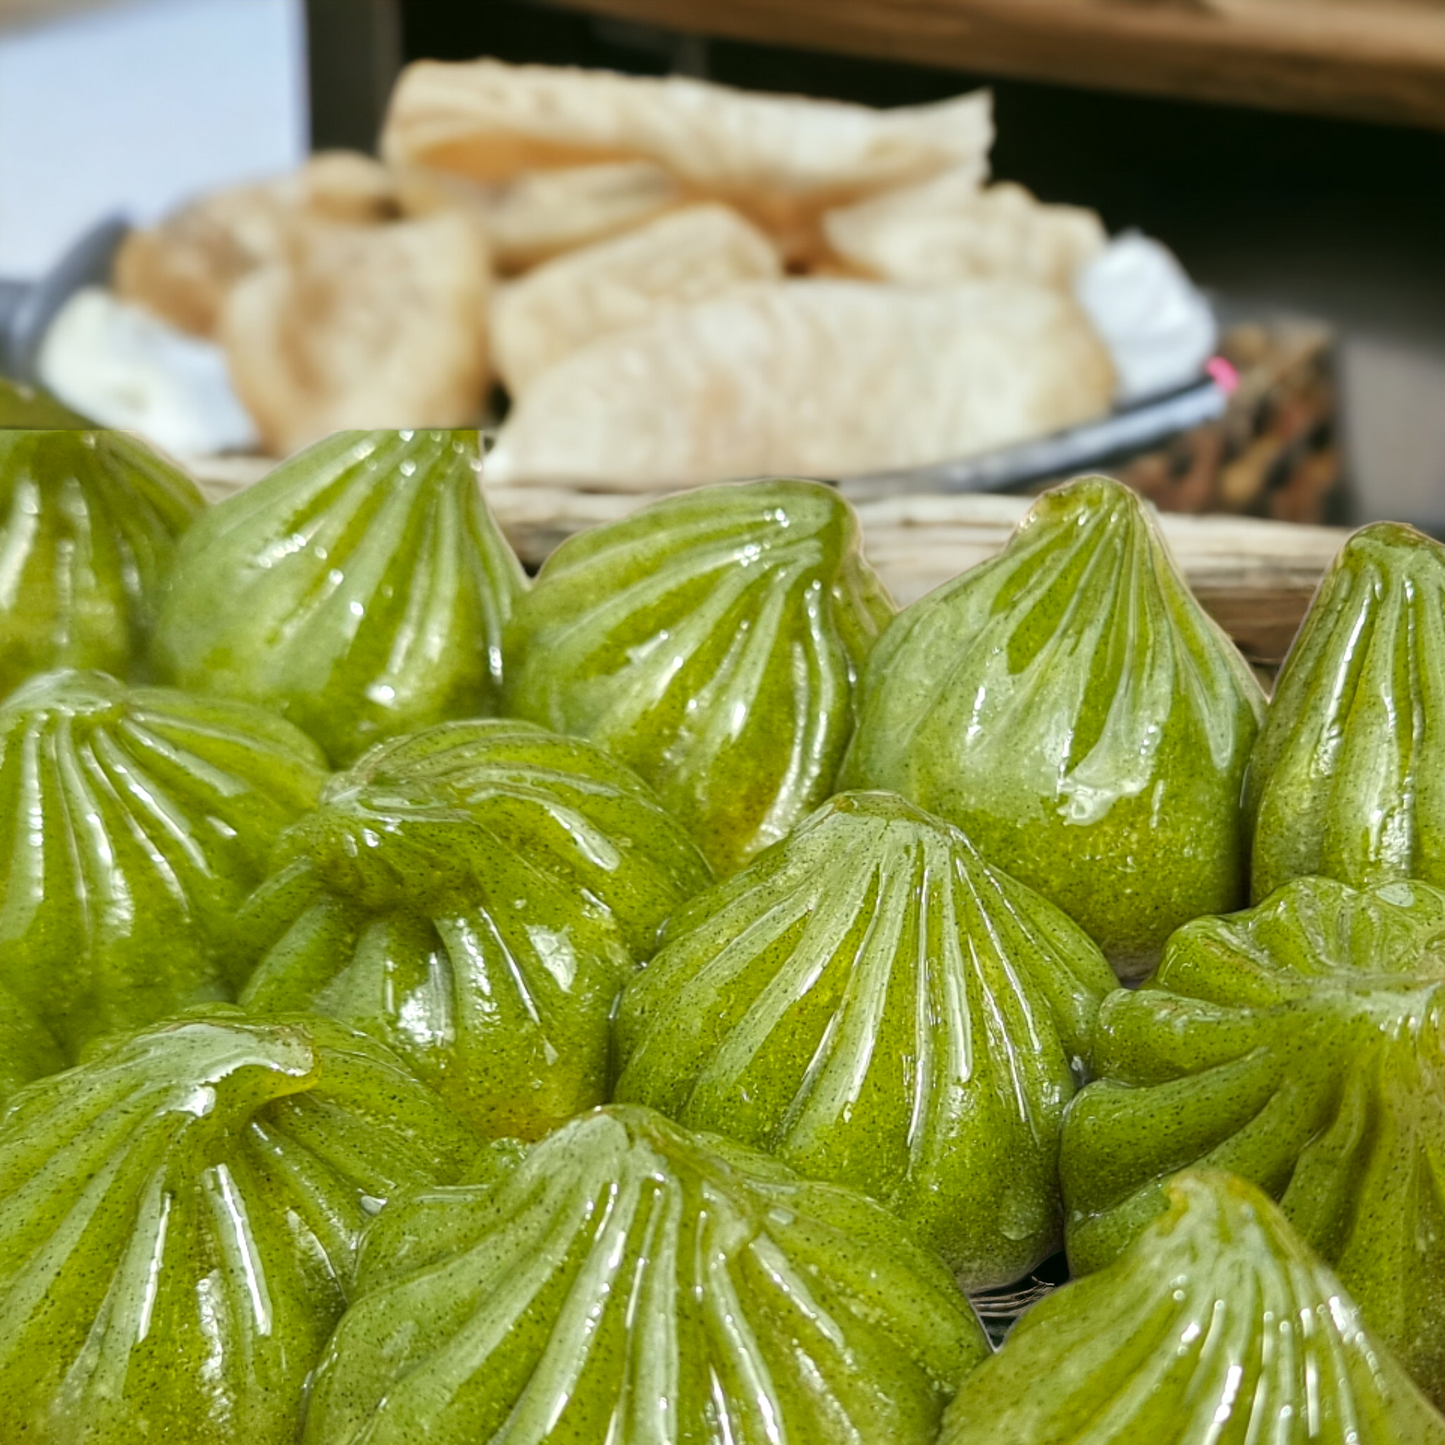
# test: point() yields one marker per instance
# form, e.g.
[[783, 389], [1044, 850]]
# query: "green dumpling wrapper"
[[475, 896], [1073, 709], [89, 522], [28, 1050], [135, 821], [179, 1221], [875, 1005], [629, 1281], [711, 641], [359, 590], [1217, 1327], [1302, 1045], [1347, 779]]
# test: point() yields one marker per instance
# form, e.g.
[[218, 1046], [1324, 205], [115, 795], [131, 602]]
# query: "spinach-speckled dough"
[[179, 1220], [1347, 778], [875, 1005], [1072, 708], [359, 590], [628, 1281], [133, 821], [89, 522], [711, 641], [475, 895], [1301, 1044], [1217, 1327]]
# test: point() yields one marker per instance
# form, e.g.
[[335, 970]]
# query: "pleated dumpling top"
[[1217, 1327], [133, 822], [873, 1003], [1074, 710], [89, 522], [712, 642], [179, 1220], [475, 895], [1300, 1044], [625, 1280], [1348, 776], [360, 590]]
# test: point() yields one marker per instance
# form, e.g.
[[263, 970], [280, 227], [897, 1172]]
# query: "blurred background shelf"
[[1380, 60], [1291, 152]]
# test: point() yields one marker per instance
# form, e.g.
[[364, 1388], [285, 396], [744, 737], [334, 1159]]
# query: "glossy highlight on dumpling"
[[179, 1220], [475, 895], [629, 1281], [360, 590], [89, 522], [1347, 778], [1217, 1327], [1302, 1045], [875, 1005], [711, 641], [1073, 709], [133, 822]]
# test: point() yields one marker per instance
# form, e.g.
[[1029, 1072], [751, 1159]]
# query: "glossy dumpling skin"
[[1217, 1327], [179, 1220], [89, 522], [629, 1281], [1072, 708], [873, 1003], [475, 896], [1347, 778], [711, 641], [360, 590], [133, 822], [1302, 1045]]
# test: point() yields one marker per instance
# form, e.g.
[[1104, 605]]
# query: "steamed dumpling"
[[133, 821], [874, 1004], [179, 1220], [1071, 707], [360, 590], [711, 642], [89, 522], [475, 896], [628, 1281], [1348, 776], [1302, 1045], [1217, 1327]]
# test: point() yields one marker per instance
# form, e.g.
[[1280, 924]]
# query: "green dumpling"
[[28, 1050], [475, 896], [1217, 1327], [88, 526], [179, 1220], [710, 641], [1073, 709], [875, 1005], [628, 1281], [133, 822], [1347, 778], [1302, 1045], [359, 590]]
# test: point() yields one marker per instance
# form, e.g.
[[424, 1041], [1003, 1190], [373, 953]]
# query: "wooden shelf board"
[[1381, 60]]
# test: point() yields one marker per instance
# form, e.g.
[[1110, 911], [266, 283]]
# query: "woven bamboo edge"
[[1255, 577]]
